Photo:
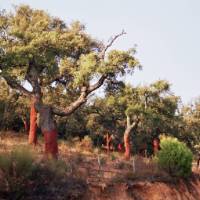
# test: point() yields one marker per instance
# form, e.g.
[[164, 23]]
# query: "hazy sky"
[[167, 34]]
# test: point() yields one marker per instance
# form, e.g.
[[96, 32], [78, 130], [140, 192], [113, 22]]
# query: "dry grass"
[[85, 161], [8, 140], [81, 167]]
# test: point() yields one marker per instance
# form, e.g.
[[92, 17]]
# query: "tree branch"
[[73, 106], [102, 55], [98, 84], [85, 91], [128, 121]]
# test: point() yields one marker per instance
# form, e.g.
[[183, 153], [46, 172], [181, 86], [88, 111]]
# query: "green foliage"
[[15, 169], [33, 43], [135, 109], [160, 86], [13, 108], [188, 125], [39, 37], [175, 157], [58, 59], [49, 170], [152, 105], [103, 116], [21, 175], [88, 64]]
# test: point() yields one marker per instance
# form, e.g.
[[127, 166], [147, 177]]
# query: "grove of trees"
[[61, 65]]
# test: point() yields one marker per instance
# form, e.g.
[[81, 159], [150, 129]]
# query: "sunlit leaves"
[[87, 67], [32, 34], [134, 109], [118, 61], [47, 52]]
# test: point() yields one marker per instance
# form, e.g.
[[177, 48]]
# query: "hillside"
[[97, 175]]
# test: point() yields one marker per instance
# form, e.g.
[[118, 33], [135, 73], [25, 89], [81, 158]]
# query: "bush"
[[175, 157], [21, 176], [15, 169]]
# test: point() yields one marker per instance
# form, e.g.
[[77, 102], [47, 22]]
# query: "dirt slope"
[[148, 190], [113, 179]]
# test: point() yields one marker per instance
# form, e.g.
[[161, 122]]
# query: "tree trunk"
[[127, 143], [129, 127], [108, 142], [32, 139], [26, 127], [156, 145]]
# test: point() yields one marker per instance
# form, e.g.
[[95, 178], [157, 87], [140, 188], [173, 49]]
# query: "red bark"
[[51, 146], [32, 139], [129, 128], [156, 145], [127, 145], [108, 142], [119, 147]]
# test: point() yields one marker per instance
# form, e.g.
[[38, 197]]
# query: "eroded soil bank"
[[148, 190]]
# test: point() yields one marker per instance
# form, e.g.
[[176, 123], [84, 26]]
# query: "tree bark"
[[32, 138], [127, 143], [85, 91], [26, 126], [130, 126], [108, 142], [156, 145]]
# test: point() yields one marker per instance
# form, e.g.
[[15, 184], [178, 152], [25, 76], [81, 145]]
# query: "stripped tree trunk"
[[156, 145], [127, 143], [32, 138], [108, 142], [33, 78], [130, 126]]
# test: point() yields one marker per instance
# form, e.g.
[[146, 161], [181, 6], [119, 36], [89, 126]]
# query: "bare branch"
[[102, 55], [85, 91], [73, 106]]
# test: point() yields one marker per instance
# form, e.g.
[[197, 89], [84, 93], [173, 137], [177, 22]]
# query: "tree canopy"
[[41, 55], [44, 51]]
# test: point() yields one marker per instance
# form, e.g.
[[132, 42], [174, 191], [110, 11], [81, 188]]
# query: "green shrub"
[[22, 176], [175, 157], [55, 168], [15, 169]]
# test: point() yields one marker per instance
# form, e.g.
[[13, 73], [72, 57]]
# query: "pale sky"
[[167, 34]]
